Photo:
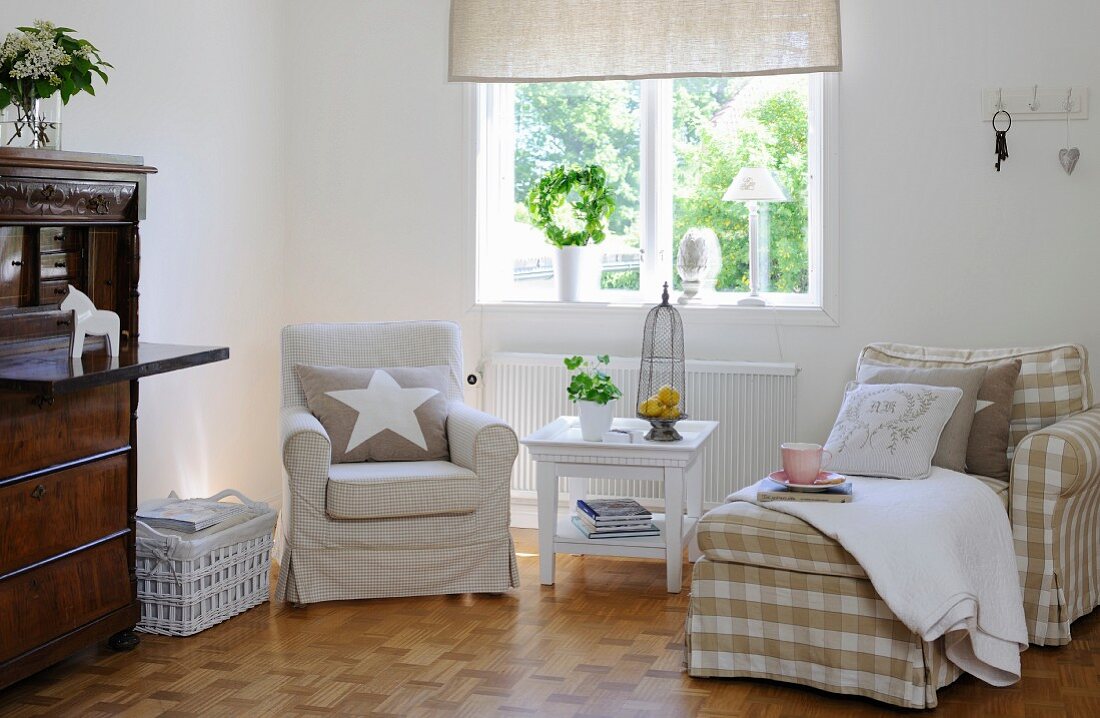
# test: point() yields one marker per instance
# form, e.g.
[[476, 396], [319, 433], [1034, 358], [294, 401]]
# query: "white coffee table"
[[559, 450]]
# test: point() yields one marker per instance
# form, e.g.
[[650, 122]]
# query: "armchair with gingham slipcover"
[[774, 598], [385, 529]]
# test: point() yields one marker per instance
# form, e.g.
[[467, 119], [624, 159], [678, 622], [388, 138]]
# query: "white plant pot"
[[576, 272], [595, 420]]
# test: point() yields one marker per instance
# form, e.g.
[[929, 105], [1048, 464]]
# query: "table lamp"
[[754, 185]]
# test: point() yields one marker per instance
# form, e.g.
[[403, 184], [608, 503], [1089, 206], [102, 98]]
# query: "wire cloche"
[[661, 381]]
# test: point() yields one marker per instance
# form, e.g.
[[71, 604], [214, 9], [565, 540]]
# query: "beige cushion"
[[400, 489], [987, 452], [1053, 382], [386, 414], [951, 451], [740, 532], [890, 430]]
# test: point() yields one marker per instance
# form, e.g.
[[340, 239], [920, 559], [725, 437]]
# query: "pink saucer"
[[780, 477]]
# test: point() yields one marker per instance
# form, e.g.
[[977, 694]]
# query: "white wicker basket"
[[187, 584]]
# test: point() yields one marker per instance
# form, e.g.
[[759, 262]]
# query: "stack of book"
[[190, 515], [614, 518], [771, 491]]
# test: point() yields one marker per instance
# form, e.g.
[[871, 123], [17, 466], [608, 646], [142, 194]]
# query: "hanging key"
[[1002, 141]]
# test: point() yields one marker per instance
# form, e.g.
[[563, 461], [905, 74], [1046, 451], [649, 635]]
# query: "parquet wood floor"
[[605, 641]]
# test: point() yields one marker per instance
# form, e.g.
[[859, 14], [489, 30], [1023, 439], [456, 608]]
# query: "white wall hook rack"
[[1036, 102]]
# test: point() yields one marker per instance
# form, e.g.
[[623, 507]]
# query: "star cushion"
[[397, 414]]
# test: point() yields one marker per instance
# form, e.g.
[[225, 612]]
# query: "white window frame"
[[489, 104]]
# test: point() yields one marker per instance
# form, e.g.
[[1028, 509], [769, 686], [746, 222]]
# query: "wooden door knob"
[[39, 492]]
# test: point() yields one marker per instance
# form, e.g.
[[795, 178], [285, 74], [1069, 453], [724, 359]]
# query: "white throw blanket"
[[939, 552]]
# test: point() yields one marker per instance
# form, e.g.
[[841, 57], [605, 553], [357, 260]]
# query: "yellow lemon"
[[668, 396], [670, 413], [650, 407]]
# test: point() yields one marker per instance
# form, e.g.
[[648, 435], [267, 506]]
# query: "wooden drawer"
[[58, 239], [40, 605], [60, 265], [46, 324], [23, 199], [82, 423], [53, 292], [79, 505]]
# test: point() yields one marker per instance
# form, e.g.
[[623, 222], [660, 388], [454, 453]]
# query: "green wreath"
[[592, 207]]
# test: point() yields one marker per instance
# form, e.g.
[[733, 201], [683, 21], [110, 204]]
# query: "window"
[[670, 149]]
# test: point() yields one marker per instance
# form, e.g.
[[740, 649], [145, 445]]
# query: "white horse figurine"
[[89, 320]]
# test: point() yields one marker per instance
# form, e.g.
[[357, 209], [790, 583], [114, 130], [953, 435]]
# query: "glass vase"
[[34, 122]]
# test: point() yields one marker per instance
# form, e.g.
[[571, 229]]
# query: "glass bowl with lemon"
[[662, 411]]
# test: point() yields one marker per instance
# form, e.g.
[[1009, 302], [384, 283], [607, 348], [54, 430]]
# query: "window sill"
[[789, 315]]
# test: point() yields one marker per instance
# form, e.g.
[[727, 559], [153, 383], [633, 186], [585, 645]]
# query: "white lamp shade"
[[755, 184]]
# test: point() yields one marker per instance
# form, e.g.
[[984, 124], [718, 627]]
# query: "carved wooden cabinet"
[[68, 426]]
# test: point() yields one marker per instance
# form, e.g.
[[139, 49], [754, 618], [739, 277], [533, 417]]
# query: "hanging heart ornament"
[[1068, 158]]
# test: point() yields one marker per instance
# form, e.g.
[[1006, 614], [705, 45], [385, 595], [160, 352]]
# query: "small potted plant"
[[593, 391], [41, 67], [590, 206]]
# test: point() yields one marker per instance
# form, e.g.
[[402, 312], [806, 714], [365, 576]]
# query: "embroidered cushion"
[[951, 451], [1053, 383], [890, 430], [397, 414]]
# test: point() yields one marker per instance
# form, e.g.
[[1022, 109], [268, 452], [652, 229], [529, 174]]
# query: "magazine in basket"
[[190, 515]]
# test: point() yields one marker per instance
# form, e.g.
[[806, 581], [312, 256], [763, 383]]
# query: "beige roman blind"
[[554, 40]]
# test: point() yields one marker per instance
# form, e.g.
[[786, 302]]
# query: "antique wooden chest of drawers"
[[68, 426]]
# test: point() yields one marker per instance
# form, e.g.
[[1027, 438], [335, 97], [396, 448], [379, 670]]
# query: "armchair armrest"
[[306, 446], [1055, 486], [1064, 457], [481, 443]]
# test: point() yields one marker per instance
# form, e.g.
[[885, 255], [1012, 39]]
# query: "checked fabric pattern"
[[465, 547], [1053, 382], [1054, 494], [401, 489], [1056, 524], [828, 632], [773, 598], [368, 346]]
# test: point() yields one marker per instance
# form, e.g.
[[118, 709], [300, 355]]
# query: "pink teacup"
[[802, 462]]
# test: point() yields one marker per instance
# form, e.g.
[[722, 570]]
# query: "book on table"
[[613, 510], [649, 529], [840, 494]]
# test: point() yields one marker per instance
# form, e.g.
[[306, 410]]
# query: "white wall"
[[935, 246], [197, 91]]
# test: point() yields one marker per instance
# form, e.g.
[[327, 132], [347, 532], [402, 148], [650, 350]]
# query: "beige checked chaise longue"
[[773, 598]]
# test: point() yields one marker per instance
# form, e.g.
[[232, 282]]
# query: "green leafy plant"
[[38, 61], [590, 382], [775, 135], [598, 121], [590, 202]]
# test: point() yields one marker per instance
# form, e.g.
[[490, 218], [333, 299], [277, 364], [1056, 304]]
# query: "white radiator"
[[754, 404]]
